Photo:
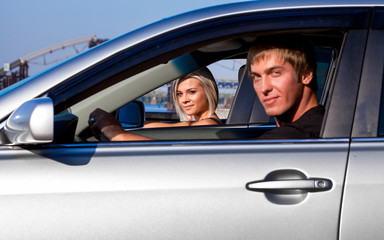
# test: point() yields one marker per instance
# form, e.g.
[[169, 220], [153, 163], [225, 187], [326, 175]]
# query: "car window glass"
[[324, 59], [159, 104], [226, 74], [224, 61]]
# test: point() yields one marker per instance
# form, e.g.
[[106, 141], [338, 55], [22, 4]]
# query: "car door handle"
[[305, 185]]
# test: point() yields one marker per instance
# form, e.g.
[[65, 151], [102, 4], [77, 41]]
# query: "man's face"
[[277, 86]]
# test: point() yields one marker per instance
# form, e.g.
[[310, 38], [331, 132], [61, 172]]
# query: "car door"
[[212, 189], [364, 188]]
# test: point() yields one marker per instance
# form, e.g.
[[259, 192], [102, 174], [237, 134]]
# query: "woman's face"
[[191, 97]]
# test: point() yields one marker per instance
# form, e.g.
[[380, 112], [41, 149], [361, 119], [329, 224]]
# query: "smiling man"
[[283, 72]]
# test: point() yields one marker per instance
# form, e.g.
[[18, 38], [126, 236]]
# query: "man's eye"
[[255, 78], [276, 73]]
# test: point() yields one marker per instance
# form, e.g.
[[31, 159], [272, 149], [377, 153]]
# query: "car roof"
[[37, 85]]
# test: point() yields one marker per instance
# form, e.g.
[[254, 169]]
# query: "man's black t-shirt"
[[307, 126]]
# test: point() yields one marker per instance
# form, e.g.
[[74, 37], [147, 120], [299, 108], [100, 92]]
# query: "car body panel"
[[195, 192], [362, 212]]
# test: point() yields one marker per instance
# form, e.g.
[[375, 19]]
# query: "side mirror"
[[131, 115], [31, 123]]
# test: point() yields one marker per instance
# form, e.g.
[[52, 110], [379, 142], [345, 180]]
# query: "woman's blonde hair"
[[207, 81]]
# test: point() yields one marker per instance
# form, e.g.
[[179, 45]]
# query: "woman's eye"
[[178, 94], [192, 92]]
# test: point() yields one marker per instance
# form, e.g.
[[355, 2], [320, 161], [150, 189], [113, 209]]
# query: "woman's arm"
[[106, 124], [206, 121], [161, 124], [110, 127], [128, 136]]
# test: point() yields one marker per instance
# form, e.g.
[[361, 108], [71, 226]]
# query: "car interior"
[[246, 119]]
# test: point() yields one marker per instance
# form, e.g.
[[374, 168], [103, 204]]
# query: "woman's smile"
[[187, 107], [192, 98]]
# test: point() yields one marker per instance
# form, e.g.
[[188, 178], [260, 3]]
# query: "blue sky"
[[31, 25]]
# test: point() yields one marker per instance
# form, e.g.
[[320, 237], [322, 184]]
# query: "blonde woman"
[[195, 95]]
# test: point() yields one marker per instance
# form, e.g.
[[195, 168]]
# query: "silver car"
[[211, 182]]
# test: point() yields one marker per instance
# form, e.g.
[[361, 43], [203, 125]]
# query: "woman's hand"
[[105, 123]]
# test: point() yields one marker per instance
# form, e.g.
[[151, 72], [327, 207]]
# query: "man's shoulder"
[[312, 117], [307, 126], [319, 109]]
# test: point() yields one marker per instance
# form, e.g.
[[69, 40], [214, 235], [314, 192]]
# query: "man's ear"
[[307, 78]]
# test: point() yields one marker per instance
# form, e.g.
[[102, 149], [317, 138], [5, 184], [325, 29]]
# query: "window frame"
[[136, 59], [171, 44], [369, 117]]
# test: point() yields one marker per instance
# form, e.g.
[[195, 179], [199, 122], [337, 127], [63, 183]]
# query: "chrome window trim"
[[200, 143], [367, 140]]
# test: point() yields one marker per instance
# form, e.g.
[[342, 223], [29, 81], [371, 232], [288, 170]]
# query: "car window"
[[226, 73], [324, 58], [159, 103], [151, 84]]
